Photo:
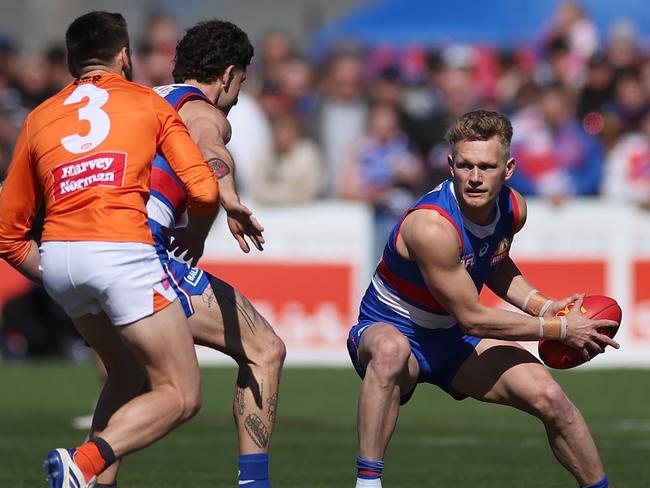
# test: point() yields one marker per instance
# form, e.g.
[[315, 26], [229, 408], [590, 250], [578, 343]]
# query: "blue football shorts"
[[187, 282], [439, 352]]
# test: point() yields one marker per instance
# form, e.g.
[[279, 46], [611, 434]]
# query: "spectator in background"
[[340, 117], [621, 46], [32, 81], [510, 81], [292, 171], [422, 102], [274, 101], [644, 71], [630, 101], [382, 170], [155, 53], [277, 49], [251, 135], [57, 67], [12, 108], [627, 171], [570, 42], [297, 81], [459, 95], [559, 66], [598, 90], [555, 157], [7, 57], [571, 24], [40, 76]]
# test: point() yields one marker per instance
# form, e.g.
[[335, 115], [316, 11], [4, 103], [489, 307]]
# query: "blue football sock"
[[604, 483], [369, 470], [255, 468]]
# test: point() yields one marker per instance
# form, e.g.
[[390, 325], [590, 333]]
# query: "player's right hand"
[[243, 225], [583, 334]]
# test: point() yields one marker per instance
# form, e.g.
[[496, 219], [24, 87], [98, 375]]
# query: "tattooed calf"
[[257, 431]]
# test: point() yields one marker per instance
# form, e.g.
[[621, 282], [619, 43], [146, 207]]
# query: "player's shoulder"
[[519, 208], [424, 226], [56, 100], [429, 238], [199, 115]]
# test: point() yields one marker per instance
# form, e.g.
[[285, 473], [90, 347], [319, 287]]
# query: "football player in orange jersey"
[[87, 153], [211, 63]]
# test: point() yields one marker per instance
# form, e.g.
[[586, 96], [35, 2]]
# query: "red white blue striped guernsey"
[[166, 205], [398, 294]]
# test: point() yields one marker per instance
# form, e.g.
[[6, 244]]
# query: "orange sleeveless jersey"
[[87, 151]]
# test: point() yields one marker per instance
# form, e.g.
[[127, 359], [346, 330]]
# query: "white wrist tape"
[[545, 307], [564, 327], [541, 327], [527, 299]]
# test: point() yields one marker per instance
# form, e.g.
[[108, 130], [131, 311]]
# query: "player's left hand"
[[559, 305], [242, 224]]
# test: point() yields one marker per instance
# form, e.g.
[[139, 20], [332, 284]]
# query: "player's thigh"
[[224, 319], [381, 338], [100, 334], [163, 343], [502, 372]]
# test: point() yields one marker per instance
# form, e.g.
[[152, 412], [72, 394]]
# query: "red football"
[[560, 356]]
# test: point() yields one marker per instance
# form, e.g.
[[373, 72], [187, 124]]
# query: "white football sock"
[[362, 483]]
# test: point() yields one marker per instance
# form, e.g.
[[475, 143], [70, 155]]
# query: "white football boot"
[[62, 472]]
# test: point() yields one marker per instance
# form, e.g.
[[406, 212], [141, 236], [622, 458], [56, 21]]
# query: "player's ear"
[[227, 77], [510, 168], [124, 59], [450, 160]]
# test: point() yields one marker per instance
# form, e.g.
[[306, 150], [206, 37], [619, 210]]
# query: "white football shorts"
[[123, 279]]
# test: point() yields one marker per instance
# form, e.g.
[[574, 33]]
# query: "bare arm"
[[30, 268], [210, 130], [453, 287]]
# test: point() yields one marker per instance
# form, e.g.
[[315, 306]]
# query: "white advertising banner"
[[317, 263]]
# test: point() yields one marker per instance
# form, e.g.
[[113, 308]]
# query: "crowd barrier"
[[317, 262]]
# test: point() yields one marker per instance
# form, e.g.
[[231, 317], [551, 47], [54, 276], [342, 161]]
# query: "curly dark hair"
[[208, 48]]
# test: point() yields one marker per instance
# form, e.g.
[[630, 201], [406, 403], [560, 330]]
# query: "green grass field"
[[439, 442]]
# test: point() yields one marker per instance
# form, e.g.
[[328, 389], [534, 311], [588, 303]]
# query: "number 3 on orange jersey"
[[100, 123]]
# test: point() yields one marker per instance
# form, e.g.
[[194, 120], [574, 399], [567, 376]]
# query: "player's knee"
[[552, 404], [389, 355], [268, 350], [277, 351], [189, 404]]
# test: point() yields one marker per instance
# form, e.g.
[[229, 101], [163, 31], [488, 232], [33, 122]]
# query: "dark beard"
[[128, 73], [128, 70]]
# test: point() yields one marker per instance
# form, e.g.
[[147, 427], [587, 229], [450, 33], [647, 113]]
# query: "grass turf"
[[439, 443]]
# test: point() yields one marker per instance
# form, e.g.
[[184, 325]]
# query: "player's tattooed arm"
[[219, 167]]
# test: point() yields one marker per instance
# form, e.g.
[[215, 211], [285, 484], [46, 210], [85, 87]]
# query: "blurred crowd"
[[368, 124]]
